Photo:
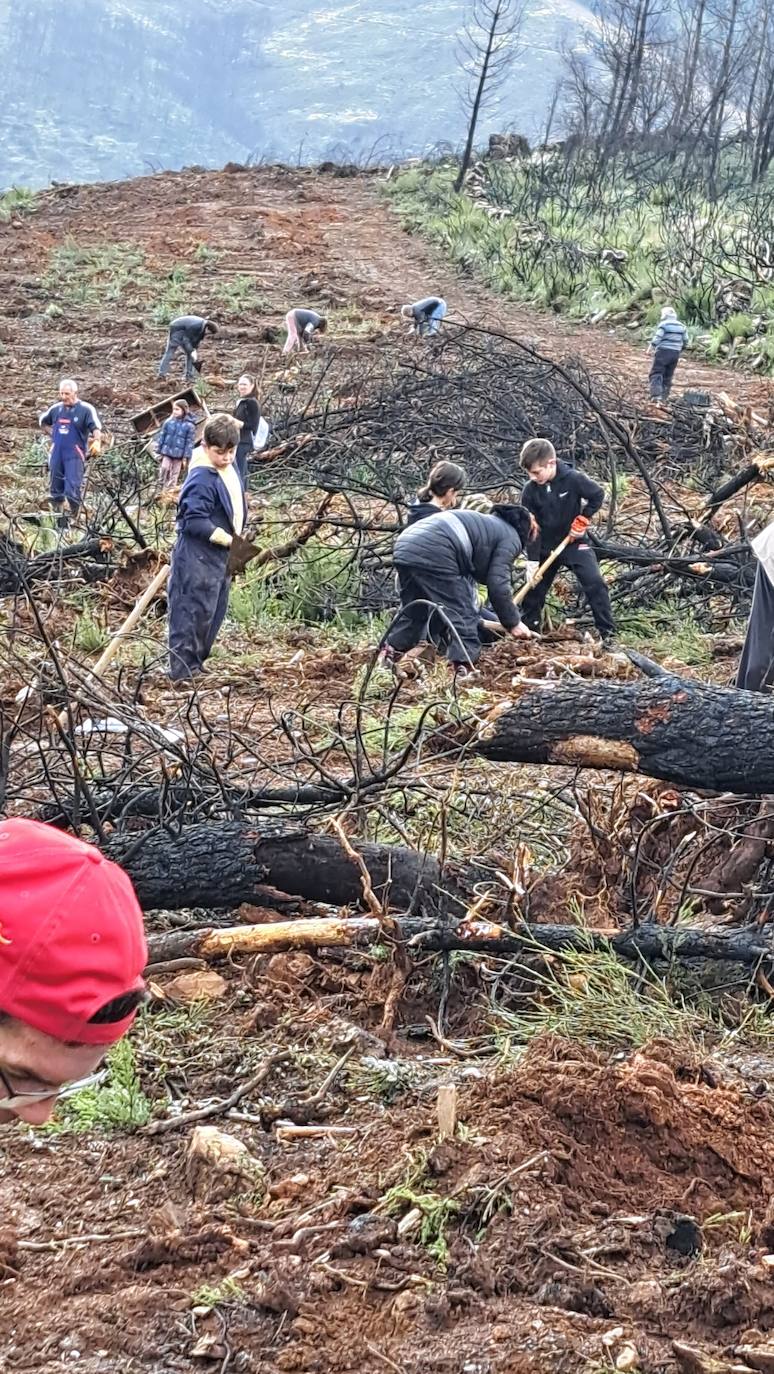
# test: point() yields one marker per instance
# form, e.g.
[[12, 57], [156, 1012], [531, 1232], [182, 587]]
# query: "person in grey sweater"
[[667, 344], [440, 562]]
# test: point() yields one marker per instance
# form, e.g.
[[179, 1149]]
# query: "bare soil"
[[596, 1204]]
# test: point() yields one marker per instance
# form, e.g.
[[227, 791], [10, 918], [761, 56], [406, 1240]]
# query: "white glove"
[[531, 569], [221, 537]]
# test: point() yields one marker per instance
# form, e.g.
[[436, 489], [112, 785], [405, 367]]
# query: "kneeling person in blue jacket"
[[440, 563], [212, 509]]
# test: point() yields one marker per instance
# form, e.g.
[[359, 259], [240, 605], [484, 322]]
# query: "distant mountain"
[[103, 89]]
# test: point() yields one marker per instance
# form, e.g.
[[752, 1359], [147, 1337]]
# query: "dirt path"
[[284, 238]]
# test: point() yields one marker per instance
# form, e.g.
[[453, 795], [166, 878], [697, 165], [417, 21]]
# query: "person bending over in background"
[[302, 325], [74, 429], [563, 500], [175, 443], [441, 562], [425, 315], [211, 511], [247, 413], [442, 491], [71, 961], [667, 344], [186, 333]]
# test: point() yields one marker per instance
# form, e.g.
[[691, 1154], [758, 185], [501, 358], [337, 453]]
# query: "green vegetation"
[[436, 1212], [118, 1104], [666, 630], [18, 200], [592, 995], [612, 249], [172, 294], [224, 1294], [86, 273], [239, 294], [90, 634]]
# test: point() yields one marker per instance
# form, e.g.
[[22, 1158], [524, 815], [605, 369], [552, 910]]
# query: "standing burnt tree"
[[488, 47]]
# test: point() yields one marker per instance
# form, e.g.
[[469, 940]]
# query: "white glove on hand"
[[221, 537], [531, 569]]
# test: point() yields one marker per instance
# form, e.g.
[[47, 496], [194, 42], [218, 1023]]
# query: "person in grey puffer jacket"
[[440, 562], [667, 344]]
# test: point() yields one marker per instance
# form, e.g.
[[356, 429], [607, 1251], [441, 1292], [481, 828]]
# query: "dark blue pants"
[[665, 361], [66, 477], [197, 600], [240, 461], [177, 339]]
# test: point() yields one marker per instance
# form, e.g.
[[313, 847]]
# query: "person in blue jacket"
[[74, 429], [175, 444], [212, 510]]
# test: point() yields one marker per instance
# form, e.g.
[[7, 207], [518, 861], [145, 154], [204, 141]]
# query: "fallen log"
[[89, 558], [648, 941], [223, 865], [691, 734]]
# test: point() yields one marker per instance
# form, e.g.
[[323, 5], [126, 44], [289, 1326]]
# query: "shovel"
[[241, 552], [542, 570]]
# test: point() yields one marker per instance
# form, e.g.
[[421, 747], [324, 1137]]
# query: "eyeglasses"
[[15, 1099]]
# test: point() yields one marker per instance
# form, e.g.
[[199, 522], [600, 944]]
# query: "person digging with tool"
[[211, 515], [186, 334], [440, 563], [667, 345], [425, 315], [74, 429], [72, 952], [442, 491], [302, 325], [563, 500]]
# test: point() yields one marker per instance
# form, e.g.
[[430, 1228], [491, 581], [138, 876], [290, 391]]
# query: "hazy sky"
[[108, 88]]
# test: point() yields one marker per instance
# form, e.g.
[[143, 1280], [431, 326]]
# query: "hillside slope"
[[90, 276]]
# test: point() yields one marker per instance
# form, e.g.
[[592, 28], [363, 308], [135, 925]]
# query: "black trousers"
[[581, 560], [455, 595], [756, 666], [665, 361]]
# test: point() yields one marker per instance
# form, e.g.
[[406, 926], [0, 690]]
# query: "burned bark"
[[223, 865], [690, 734], [649, 941]]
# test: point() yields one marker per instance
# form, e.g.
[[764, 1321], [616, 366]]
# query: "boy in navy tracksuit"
[[175, 443], [211, 511], [74, 429], [563, 500]]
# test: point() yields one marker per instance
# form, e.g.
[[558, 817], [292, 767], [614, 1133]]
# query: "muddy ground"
[[591, 1210]]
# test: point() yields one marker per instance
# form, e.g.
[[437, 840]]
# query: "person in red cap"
[[72, 952]]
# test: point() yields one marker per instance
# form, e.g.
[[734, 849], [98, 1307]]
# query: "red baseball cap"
[[71, 933]]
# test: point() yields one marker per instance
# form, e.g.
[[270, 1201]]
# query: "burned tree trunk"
[[649, 941], [222, 865], [690, 734]]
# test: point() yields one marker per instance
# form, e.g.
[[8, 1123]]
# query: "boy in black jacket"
[[563, 500]]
